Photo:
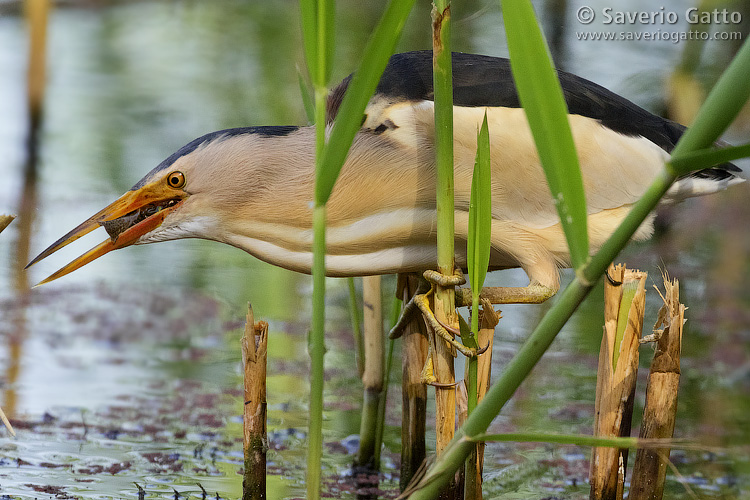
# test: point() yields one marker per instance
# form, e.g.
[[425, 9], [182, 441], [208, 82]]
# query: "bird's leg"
[[532, 294]]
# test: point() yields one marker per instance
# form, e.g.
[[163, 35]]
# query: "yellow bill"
[[133, 215]]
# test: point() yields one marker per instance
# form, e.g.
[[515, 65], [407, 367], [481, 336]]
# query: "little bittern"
[[252, 187]]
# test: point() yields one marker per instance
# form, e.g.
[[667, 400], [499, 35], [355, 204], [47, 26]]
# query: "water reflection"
[[131, 82]]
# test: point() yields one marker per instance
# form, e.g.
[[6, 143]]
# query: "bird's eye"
[[176, 180]]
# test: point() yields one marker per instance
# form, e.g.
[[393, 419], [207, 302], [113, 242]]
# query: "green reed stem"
[[443, 85], [356, 315]]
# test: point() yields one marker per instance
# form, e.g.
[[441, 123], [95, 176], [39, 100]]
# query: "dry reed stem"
[[462, 402], [5, 220], [445, 396], [650, 469], [372, 377], [254, 353], [488, 320], [374, 372], [414, 392], [7, 423], [443, 355], [615, 386]]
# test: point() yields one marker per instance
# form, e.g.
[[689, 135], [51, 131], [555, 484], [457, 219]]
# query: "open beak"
[[131, 216]]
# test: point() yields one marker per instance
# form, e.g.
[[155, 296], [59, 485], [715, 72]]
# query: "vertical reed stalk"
[[618, 368], [478, 247], [37, 13], [373, 376], [650, 469], [413, 391], [318, 35], [488, 320], [395, 309], [317, 24], [254, 350], [444, 304], [317, 350], [444, 297], [356, 315]]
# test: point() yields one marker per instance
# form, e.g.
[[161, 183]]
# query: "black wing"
[[487, 81]]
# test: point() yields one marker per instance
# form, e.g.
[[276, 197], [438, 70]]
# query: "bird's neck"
[[372, 202]]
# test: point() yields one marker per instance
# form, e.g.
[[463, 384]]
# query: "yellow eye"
[[176, 180]]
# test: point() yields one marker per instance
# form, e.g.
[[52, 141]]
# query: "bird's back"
[[485, 81], [621, 148]]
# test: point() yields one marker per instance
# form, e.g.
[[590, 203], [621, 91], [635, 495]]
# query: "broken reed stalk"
[[7, 424], [5, 220], [413, 391], [488, 320], [254, 353], [618, 367], [444, 303], [650, 469], [374, 372]]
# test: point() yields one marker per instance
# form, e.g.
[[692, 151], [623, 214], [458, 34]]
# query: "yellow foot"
[[423, 303], [436, 278], [424, 288], [428, 372]]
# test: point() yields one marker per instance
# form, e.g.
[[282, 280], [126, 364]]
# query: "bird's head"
[[190, 194]]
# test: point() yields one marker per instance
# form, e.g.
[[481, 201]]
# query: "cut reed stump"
[[414, 392], [624, 303], [254, 350], [373, 374], [488, 320], [650, 469]]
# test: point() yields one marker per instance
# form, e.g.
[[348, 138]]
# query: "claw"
[[611, 280], [428, 373], [483, 349], [423, 304], [441, 385], [455, 331]]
